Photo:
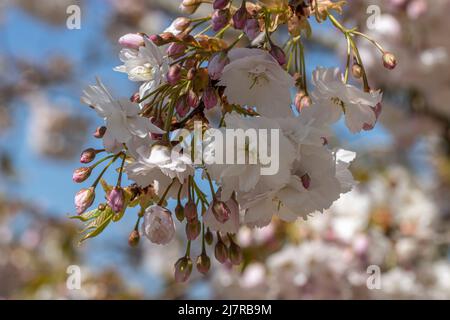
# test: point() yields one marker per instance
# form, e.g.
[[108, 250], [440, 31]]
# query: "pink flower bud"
[[217, 64], [84, 199], [220, 19], [183, 269], [174, 74], [209, 237], [156, 39], [158, 225], [135, 98], [231, 225], [203, 263], [240, 17], [176, 50], [100, 132], [88, 155], [389, 61], [221, 211], [190, 210], [133, 239], [182, 107], [220, 4], [235, 254], [116, 199], [180, 24], [81, 174], [131, 40], [209, 98], [221, 251], [278, 54], [252, 29], [192, 99], [193, 229]]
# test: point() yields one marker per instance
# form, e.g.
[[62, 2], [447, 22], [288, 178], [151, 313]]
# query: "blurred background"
[[397, 219]]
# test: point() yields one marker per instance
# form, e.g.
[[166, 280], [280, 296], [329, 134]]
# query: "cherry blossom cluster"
[[225, 71]]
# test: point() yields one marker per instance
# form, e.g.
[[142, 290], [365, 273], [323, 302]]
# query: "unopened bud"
[[357, 71], [157, 39], [100, 132], [235, 254], [135, 98], [133, 239], [179, 212], [174, 74], [389, 60], [209, 237], [181, 23], [167, 37], [252, 29], [221, 211], [176, 50], [221, 251], [209, 98], [278, 54], [81, 174], [84, 199], [220, 4], [193, 229], [116, 199], [240, 17], [182, 107], [183, 269], [203, 263], [191, 73], [220, 19], [190, 210], [88, 155], [192, 99], [132, 40]]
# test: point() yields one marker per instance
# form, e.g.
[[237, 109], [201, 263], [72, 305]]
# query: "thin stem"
[[94, 185], [119, 180]]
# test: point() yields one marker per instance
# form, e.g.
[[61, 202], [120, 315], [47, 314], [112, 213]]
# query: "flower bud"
[[302, 101], [389, 61], [182, 107], [217, 64], [221, 251], [220, 19], [240, 17], [133, 239], [203, 263], [190, 210], [176, 50], [116, 199], [135, 98], [189, 9], [278, 54], [192, 99], [100, 132], [158, 225], [179, 212], [235, 254], [193, 229], [357, 71], [209, 98], [132, 40], [191, 73], [156, 39], [221, 211], [174, 74], [81, 174], [183, 269], [252, 29], [220, 4], [84, 199], [88, 155], [209, 237], [167, 37], [181, 24]]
